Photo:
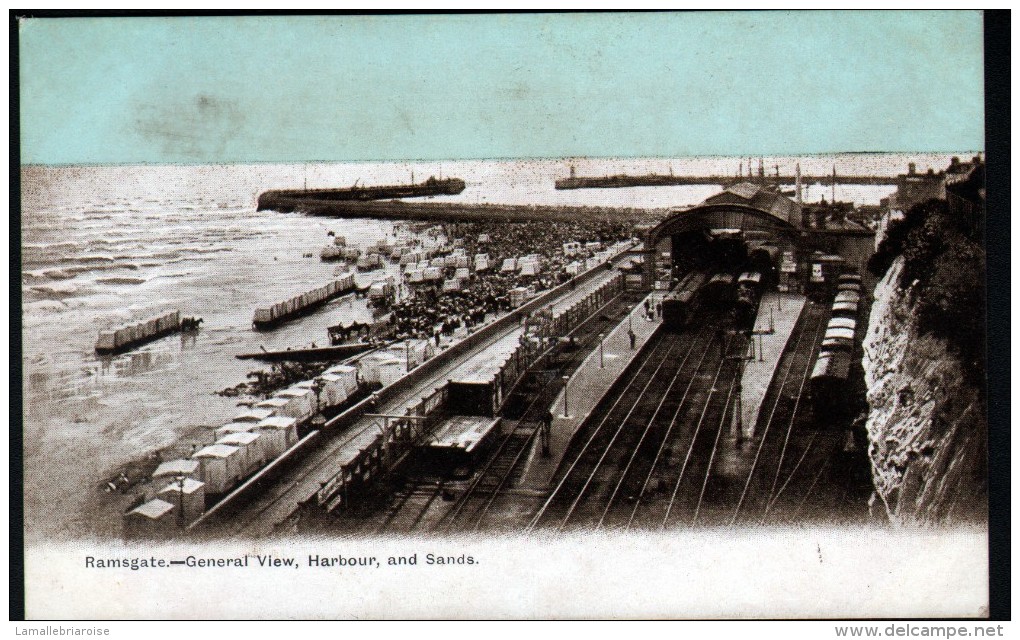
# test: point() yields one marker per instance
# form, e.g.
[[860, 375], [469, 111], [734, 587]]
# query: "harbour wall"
[[284, 202]]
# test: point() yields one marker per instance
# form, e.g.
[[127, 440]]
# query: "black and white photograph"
[[503, 315]]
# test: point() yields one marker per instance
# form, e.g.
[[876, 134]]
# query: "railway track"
[[258, 515], [825, 478], [682, 480], [472, 504], [784, 409], [641, 477], [617, 462], [649, 457]]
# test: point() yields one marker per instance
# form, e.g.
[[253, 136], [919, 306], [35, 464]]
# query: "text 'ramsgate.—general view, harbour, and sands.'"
[[500, 345]]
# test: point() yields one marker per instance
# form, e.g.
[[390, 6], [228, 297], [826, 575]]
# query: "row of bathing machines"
[[255, 437]]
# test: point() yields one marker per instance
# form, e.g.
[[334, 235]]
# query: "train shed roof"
[[754, 195]]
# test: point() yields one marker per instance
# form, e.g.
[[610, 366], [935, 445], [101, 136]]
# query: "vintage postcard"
[[579, 315]]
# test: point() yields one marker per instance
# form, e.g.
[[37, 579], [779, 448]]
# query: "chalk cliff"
[[927, 424]]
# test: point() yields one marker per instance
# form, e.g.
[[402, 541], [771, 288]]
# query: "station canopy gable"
[[743, 206], [757, 197]]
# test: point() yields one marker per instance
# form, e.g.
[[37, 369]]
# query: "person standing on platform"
[[720, 337], [633, 338], [547, 421], [658, 310]]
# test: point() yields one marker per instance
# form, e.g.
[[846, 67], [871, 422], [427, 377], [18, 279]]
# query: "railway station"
[[699, 377]]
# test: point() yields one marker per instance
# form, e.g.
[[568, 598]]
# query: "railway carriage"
[[728, 247], [841, 333], [720, 292], [459, 442], [828, 384], [843, 323], [750, 280], [848, 296], [838, 339], [745, 307], [679, 305], [845, 310], [830, 345]]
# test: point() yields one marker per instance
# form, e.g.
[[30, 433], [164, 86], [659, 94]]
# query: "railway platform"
[[586, 387], [777, 316]]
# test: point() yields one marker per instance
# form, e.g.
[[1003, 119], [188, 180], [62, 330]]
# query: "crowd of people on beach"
[[431, 312]]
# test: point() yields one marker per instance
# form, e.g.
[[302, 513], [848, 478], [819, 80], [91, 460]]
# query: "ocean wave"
[[51, 245], [91, 259], [48, 274], [80, 264], [42, 306], [57, 290], [116, 280], [130, 266]]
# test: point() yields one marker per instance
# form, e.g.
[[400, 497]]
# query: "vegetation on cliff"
[[944, 273]]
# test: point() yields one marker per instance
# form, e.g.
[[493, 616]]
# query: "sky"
[[358, 88]]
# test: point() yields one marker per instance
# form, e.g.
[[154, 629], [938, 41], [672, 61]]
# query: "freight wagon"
[[459, 442], [480, 386], [565, 320]]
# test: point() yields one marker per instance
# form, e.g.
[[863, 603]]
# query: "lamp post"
[[180, 501], [602, 357], [318, 420], [566, 406], [738, 409]]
